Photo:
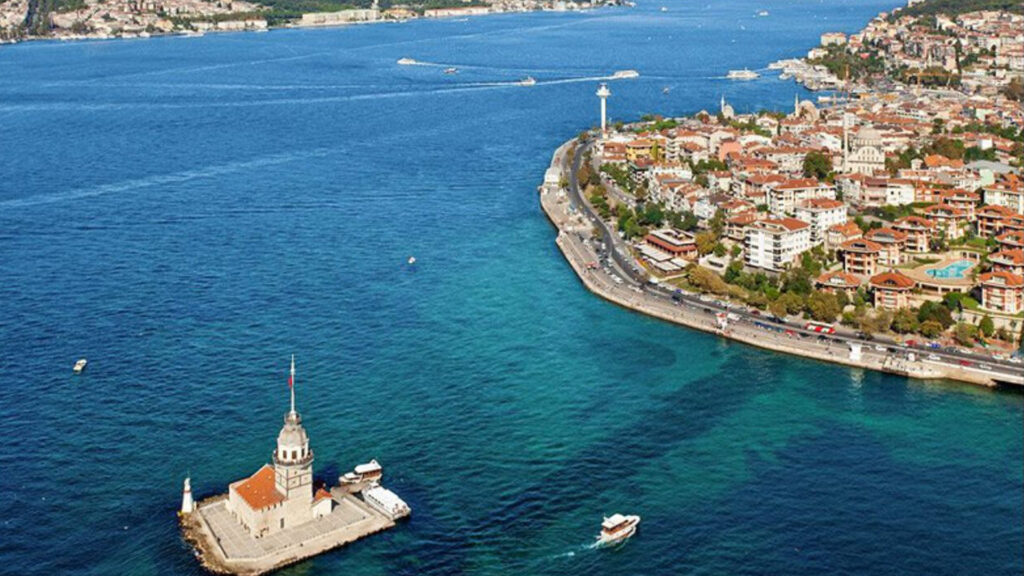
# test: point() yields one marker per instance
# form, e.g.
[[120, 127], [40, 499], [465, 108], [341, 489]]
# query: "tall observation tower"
[[603, 93]]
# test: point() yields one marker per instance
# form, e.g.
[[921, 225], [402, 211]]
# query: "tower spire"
[[291, 384]]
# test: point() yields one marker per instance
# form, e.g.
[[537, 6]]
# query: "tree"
[[706, 242], [706, 281], [822, 307], [965, 334], [817, 165], [794, 303], [931, 329], [986, 326], [904, 321]]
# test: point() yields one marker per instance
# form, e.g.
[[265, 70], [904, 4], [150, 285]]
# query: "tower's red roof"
[[259, 490]]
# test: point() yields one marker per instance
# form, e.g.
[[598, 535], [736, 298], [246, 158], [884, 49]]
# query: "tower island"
[[275, 517]]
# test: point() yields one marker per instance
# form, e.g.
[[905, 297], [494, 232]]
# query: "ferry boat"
[[370, 472], [451, 70], [744, 74], [80, 365], [386, 502], [617, 528], [528, 81], [407, 62], [625, 74]]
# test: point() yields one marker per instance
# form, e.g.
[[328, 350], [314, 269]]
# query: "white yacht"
[[407, 62], [80, 365], [371, 473], [762, 13], [744, 74], [625, 74], [452, 70], [412, 260], [528, 81], [617, 528], [386, 502]]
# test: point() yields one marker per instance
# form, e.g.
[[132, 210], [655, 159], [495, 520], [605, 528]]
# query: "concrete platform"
[[225, 547]]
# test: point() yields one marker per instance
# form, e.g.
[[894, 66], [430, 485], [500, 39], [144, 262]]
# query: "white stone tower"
[[187, 504], [603, 93], [293, 459]]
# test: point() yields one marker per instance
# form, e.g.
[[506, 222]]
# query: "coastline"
[[566, 217]]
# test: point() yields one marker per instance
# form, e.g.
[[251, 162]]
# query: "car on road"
[[965, 363], [879, 347], [933, 358]]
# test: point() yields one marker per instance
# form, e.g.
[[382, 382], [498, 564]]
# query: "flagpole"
[[291, 384]]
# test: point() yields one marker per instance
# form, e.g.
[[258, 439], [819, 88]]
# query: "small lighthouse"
[[187, 504], [603, 93]]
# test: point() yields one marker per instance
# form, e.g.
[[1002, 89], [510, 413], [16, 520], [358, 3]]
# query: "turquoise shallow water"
[[186, 213]]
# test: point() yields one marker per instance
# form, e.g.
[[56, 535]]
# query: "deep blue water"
[[188, 212]]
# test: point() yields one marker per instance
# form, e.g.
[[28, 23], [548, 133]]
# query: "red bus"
[[820, 327]]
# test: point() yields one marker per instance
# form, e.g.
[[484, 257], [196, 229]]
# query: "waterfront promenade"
[[621, 283]]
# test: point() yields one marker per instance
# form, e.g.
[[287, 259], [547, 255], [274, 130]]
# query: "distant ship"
[[407, 62], [617, 528], [742, 75], [664, 9], [451, 70], [625, 74], [762, 13], [666, 90], [528, 81]]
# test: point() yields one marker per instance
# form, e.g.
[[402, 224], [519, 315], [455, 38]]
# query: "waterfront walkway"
[[618, 280]]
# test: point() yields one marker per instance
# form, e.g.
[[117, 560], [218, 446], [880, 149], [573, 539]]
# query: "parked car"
[[933, 358]]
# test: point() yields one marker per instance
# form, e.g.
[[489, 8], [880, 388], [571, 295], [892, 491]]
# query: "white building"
[[821, 214], [784, 197], [776, 243], [280, 496], [866, 155]]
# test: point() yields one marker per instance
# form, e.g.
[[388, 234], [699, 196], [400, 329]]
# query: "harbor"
[[275, 518]]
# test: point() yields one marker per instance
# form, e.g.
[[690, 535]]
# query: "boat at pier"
[[386, 502], [617, 528], [407, 62], [625, 74], [744, 74], [371, 472]]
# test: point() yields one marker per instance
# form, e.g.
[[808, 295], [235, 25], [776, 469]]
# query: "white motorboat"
[[451, 70], [762, 13], [371, 473], [744, 74], [80, 365], [617, 528], [407, 62], [664, 9], [625, 74], [528, 81], [412, 260]]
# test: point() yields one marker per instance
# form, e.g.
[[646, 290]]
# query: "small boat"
[[371, 472], [451, 70], [666, 90], [744, 74], [528, 81], [617, 528], [407, 62], [762, 13], [625, 74], [80, 365], [664, 9], [412, 260]]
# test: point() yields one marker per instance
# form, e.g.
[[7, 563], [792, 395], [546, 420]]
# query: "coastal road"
[[615, 268]]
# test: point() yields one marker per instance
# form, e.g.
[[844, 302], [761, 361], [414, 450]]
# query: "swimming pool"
[[951, 270]]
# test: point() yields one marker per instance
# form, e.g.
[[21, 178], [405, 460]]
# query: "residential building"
[[775, 243]]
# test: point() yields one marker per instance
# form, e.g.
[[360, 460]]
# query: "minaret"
[[187, 504], [603, 93], [293, 459], [796, 105]]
